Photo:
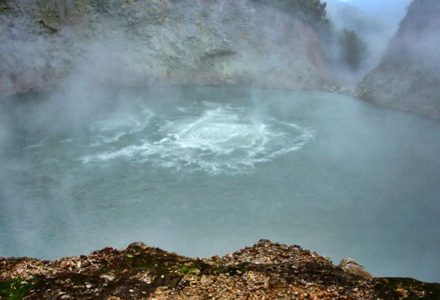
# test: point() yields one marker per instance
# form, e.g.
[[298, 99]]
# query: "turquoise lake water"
[[206, 171]]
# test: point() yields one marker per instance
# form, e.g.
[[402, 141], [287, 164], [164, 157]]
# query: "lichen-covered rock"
[[265, 271]]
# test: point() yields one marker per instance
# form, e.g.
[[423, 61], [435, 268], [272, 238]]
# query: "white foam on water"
[[111, 127], [216, 138]]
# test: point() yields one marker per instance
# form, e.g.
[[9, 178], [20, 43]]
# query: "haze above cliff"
[[390, 11], [50, 44], [408, 77], [374, 22]]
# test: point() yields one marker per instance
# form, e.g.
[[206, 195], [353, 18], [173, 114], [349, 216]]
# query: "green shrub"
[[353, 49], [15, 289]]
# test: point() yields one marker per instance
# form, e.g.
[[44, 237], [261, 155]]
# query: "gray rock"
[[137, 246], [353, 267], [263, 243], [141, 43]]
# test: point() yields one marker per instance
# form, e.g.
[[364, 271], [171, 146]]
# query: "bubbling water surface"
[[206, 171], [208, 136]]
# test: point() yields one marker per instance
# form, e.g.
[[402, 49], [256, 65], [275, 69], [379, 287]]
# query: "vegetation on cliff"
[[353, 49]]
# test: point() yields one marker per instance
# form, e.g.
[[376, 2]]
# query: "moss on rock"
[[15, 289], [270, 270]]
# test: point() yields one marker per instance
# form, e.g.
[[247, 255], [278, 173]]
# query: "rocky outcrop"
[[265, 271], [51, 44], [353, 267], [408, 78]]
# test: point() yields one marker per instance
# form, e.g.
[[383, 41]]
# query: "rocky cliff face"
[[408, 78], [49, 44]]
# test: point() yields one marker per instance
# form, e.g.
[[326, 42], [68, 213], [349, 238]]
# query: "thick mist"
[[390, 12], [204, 171], [101, 160], [218, 43], [159, 42], [408, 78], [374, 22]]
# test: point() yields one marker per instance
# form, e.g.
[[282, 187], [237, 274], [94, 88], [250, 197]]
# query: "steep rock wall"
[[408, 77], [49, 44]]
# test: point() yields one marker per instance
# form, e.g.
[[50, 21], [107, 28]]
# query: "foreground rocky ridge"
[[408, 77], [46, 45], [264, 271]]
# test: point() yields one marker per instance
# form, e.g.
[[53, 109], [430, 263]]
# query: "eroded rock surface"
[[46, 45]]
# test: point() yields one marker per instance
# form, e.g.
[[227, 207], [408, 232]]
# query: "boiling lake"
[[204, 171]]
